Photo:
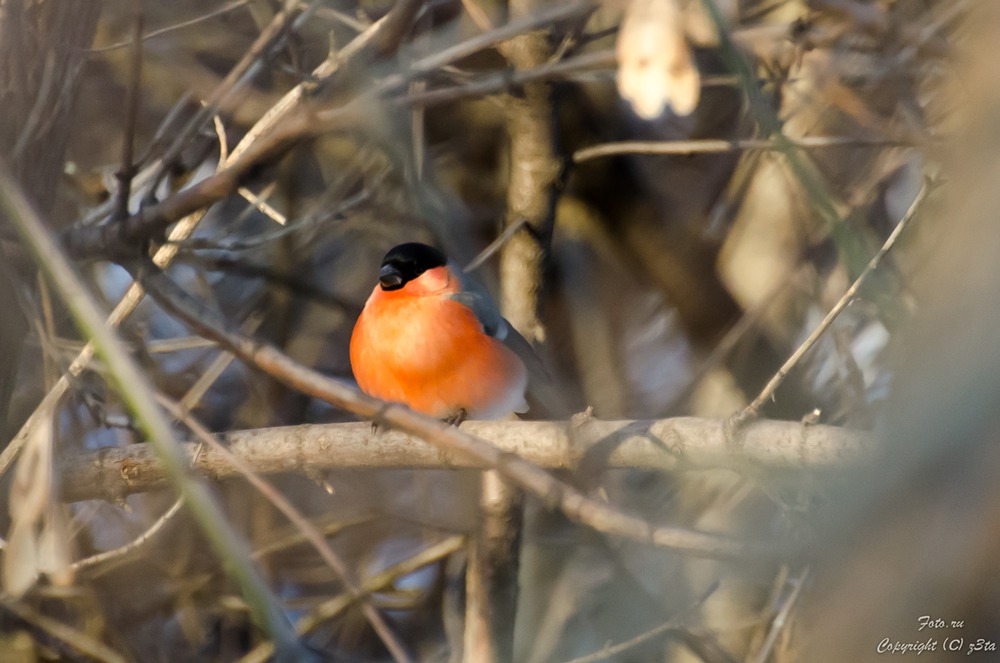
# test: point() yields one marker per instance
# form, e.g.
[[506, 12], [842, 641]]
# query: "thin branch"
[[221, 11], [136, 392], [136, 544], [665, 444], [575, 68], [331, 607], [296, 537], [221, 260], [781, 618], [343, 18], [753, 410], [127, 170], [482, 41], [493, 83], [672, 625], [712, 146], [822, 199], [495, 245], [122, 239]]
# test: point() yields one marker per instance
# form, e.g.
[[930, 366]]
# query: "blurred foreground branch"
[[113, 473]]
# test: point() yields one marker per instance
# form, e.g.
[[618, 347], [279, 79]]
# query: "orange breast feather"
[[424, 349]]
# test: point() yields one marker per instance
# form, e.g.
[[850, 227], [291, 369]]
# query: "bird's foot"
[[457, 418]]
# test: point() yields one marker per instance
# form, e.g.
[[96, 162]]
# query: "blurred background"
[[690, 187]]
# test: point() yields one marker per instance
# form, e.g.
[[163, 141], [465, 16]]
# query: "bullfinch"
[[429, 337]]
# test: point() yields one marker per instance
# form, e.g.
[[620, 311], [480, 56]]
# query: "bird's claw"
[[457, 418]]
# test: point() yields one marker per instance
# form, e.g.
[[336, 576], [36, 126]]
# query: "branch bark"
[[766, 446]]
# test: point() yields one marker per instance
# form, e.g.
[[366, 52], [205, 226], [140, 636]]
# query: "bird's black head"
[[406, 262]]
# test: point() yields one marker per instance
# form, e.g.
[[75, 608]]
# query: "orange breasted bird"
[[429, 337]]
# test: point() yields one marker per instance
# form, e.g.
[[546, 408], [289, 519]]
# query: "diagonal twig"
[[751, 411], [781, 618]]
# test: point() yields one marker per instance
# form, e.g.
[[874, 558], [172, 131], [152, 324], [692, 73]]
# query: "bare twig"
[[331, 607], [594, 64], [101, 559], [221, 11], [753, 410], [781, 618], [120, 239], [506, 80], [127, 170], [478, 16], [128, 303], [672, 625], [495, 245], [516, 26], [214, 370], [711, 146], [296, 537]]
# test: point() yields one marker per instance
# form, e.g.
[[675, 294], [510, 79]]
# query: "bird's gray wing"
[[478, 299]]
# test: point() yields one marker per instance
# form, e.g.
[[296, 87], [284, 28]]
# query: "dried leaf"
[[655, 67], [32, 485], [20, 559], [30, 499], [54, 559]]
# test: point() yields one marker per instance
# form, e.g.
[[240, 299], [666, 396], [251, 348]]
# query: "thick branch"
[[113, 473]]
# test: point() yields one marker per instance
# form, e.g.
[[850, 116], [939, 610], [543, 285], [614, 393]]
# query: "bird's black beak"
[[390, 278]]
